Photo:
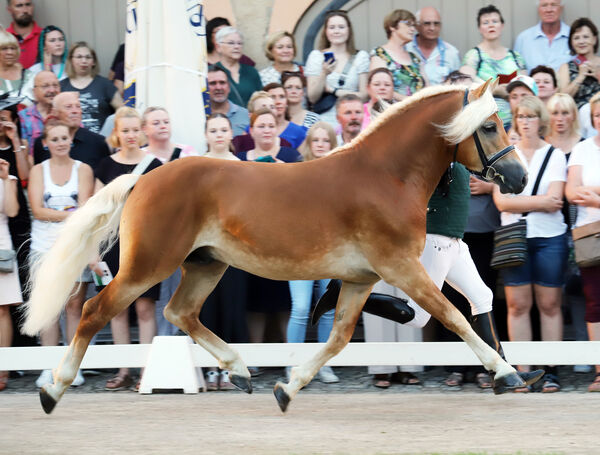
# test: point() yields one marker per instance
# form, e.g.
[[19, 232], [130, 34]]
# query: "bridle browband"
[[488, 172]]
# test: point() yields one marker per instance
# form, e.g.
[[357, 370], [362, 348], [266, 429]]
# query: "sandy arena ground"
[[371, 422]]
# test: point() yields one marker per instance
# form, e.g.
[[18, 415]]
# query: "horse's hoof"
[[241, 382], [283, 399], [48, 402], [531, 377], [509, 382]]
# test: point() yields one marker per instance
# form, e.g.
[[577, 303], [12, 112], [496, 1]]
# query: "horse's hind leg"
[[417, 284], [97, 312], [197, 282], [351, 300]]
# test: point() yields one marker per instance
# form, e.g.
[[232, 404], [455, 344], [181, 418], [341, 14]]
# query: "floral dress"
[[407, 78], [588, 87]]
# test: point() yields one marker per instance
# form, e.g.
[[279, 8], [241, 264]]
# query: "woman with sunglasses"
[[406, 67], [335, 67]]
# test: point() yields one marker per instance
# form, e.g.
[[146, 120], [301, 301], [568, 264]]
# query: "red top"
[[28, 45]]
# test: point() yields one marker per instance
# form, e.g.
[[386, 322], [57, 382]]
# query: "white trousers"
[[445, 259]]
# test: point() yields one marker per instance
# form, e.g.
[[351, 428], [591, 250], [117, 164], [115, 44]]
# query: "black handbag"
[[510, 241]]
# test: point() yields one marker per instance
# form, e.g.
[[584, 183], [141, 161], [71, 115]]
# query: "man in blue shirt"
[[439, 57], [218, 87], [546, 43]]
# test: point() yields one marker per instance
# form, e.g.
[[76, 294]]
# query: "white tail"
[[54, 274]]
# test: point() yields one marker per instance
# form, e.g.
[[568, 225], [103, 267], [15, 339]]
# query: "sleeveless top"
[[588, 87], [407, 78], [62, 198]]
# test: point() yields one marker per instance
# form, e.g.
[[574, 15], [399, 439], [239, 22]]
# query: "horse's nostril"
[[524, 181]]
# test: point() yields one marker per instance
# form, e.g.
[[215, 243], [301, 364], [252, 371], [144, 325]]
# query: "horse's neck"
[[409, 146]]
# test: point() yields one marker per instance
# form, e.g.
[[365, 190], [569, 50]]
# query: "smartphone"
[[329, 57]]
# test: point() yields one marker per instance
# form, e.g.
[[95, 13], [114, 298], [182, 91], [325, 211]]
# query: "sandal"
[[484, 381], [119, 382], [455, 379], [550, 383], [381, 381], [403, 377], [595, 385], [212, 380], [525, 389]]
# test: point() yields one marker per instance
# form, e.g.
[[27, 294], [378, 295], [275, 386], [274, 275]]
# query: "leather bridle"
[[488, 172]]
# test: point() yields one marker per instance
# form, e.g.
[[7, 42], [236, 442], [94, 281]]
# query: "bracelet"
[[21, 148]]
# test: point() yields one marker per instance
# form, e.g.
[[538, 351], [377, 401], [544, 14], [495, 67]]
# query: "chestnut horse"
[[357, 215]]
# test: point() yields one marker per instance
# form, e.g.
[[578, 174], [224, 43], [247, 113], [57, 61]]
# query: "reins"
[[488, 172]]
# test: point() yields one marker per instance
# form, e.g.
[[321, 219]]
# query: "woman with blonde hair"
[[335, 67], [127, 137], [280, 48], [583, 189], [156, 125], [14, 79], [564, 123], [541, 277], [320, 140], [98, 96], [57, 187]]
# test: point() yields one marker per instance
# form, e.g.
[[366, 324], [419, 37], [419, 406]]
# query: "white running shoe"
[[45, 378], [582, 368], [79, 380], [327, 375]]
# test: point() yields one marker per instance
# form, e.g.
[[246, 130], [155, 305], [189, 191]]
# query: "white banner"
[[165, 63]]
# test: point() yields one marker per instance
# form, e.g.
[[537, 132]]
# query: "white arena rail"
[[170, 360]]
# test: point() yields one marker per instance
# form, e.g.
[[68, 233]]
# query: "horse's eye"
[[489, 128]]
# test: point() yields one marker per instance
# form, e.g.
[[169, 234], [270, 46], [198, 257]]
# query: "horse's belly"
[[344, 262]]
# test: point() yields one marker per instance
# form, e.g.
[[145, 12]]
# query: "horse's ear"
[[483, 87]]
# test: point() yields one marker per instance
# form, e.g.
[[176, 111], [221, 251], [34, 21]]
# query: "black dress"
[[106, 171]]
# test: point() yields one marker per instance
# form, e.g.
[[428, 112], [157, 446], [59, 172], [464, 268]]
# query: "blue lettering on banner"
[[131, 20], [195, 11], [129, 95]]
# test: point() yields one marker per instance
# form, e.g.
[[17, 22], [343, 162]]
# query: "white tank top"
[[56, 197]]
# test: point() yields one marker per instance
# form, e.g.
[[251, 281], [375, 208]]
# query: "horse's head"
[[481, 142]]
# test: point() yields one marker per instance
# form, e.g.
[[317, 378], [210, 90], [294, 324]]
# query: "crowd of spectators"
[[64, 135]]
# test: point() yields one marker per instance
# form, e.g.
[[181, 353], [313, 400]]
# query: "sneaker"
[[327, 375], [78, 380], [225, 383], [45, 378], [582, 368], [212, 380]]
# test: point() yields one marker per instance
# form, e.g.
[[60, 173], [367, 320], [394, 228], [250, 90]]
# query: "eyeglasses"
[[410, 24], [431, 23], [83, 57], [47, 86], [233, 43], [527, 117]]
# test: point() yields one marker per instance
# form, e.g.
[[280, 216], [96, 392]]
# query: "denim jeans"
[[301, 291]]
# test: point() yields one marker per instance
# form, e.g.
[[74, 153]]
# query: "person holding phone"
[[580, 77], [336, 67]]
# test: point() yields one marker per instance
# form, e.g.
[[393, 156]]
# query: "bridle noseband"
[[488, 172]]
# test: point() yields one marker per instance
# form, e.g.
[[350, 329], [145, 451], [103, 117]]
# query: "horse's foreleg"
[[97, 312], [351, 300], [417, 284], [198, 281]]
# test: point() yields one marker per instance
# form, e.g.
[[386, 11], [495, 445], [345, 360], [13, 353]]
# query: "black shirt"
[[109, 169], [89, 148]]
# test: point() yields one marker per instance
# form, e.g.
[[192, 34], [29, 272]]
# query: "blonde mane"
[[463, 124]]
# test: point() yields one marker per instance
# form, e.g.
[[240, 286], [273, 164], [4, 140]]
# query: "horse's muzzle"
[[510, 176]]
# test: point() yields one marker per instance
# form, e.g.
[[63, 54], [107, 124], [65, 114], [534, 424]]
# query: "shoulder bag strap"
[[541, 173], [480, 59], [142, 165], [176, 153], [345, 71]]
